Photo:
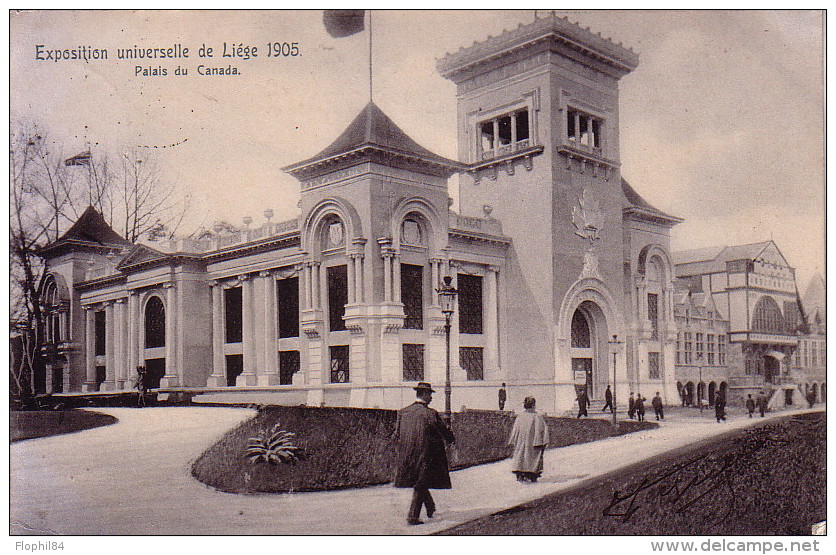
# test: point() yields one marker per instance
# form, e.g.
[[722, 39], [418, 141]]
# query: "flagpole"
[[370, 56]]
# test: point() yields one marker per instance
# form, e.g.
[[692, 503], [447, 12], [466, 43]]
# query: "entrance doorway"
[[589, 349]]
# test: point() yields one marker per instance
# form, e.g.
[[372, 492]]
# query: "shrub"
[[273, 447]]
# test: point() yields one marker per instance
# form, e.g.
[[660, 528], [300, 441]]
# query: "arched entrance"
[[816, 392], [712, 389], [589, 349], [689, 394]]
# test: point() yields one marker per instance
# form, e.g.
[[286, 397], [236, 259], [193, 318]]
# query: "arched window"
[[52, 318], [768, 317], [580, 331], [154, 323]]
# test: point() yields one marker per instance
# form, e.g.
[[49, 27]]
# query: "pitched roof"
[[640, 207], [372, 131], [90, 231], [92, 227], [713, 259]]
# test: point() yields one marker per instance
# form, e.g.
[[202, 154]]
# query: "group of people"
[[760, 402], [421, 435]]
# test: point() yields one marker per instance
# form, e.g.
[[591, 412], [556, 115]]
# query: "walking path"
[[134, 478]]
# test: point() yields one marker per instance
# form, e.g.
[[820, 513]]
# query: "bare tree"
[[143, 202], [47, 193]]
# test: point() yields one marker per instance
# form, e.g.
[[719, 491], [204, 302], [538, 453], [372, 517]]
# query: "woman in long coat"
[[530, 437]]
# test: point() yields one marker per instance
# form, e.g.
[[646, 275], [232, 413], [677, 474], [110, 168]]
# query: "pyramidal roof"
[[92, 228], [90, 231], [373, 134]]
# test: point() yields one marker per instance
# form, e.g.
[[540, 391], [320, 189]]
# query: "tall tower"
[[538, 124]]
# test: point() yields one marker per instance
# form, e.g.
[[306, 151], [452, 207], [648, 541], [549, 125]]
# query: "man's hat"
[[424, 386]]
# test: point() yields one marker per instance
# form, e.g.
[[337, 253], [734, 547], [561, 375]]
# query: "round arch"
[[325, 210], [425, 215], [654, 252]]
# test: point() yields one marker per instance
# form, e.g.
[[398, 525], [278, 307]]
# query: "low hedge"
[[348, 447], [42, 423]]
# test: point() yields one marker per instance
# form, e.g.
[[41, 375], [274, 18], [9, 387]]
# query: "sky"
[[721, 123]]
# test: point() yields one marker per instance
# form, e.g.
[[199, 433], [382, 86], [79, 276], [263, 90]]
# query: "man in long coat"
[[420, 434], [530, 437]]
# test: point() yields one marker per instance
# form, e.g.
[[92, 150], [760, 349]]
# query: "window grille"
[[288, 365], [337, 296], [339, 364], [287, 297], [412, 296], [413, 362], [154, 323], [470, 358], [653, 365], [470, 303]]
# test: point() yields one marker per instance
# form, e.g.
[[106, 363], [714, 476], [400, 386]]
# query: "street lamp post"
[[700, 386], [614, 345], [447, 297]]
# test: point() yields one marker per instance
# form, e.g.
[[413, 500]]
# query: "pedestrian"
[[720, 406], [583, 403], [761, 402], [141, 384], [811, 398], [658, 407], [631, 406], [640, 407], [530, 437], [503, 396], [420, 436], [608, 400], [750, 405]]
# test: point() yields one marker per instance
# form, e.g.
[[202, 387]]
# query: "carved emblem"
[[335, 234], [588, 217]]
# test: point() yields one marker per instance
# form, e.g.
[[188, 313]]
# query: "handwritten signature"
[[703, 481]]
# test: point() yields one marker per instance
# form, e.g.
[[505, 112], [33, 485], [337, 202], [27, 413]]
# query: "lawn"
[[345, 447], [44, 423], [768, 480]]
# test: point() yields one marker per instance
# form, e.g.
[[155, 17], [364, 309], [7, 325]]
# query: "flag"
[[82, 159], [343, 23]]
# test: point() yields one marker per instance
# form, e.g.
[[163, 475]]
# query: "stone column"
[[120, 347], [492, 320], [350, 286], [170, 377], [270, 373], [435, 280], [247, 377], [134, 347], [396, 278], [90, 347], [110, 348], [307, 279], [387, 276], [218, 377]]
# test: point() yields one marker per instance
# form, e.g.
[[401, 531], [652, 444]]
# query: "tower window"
[[583, 129], [504, 134]]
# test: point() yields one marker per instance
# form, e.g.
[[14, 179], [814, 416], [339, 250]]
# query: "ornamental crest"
[[588, 217], [335, 234]]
